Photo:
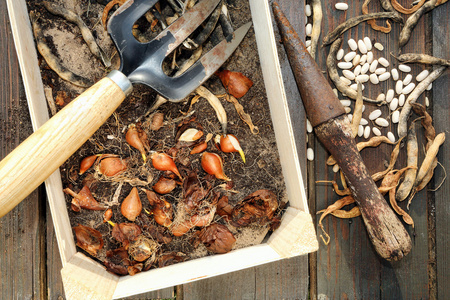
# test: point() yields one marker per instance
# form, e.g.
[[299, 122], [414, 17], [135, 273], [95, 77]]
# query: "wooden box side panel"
[[85, 279], [197, 269], [279, 110], [296, 234], [34, 89]]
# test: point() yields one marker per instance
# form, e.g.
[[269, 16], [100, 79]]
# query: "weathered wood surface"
[[22, 229], [346, 268]]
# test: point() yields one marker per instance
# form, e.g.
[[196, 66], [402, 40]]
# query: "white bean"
[[357, 70], [399, 87], [374, 114], [409, 88], [365, 68], [346, 102], [374, 79], [376, 131], [363, 59], [349, 56], [395, 116], [363, 122], [360, 130], [350, 117], [427, 102], [373, 66], [407, 79], [362, 47], [341, 6], [355, 86], [348, 74], [335, 91], [379, 46], [383, 62], [352, 44], [308, 43], [340, 54], [401, 99], [430, 86], [384, 76], [394, 73], [382, 122], [367, 132], [422, 75], [389, 95], [381, 97], [308, 49], [391, 136], [347, 109], [363, 108], [308, 10], [394, 104], [368, 43], [308, 29], [345, 80], [369, 57], [310, 154], [380, 71], [404, 68], [344, 65], [336, 168], [356, 59], [362, 78], [309, 127]]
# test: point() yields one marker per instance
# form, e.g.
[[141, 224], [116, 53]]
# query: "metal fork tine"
[[188, 22]]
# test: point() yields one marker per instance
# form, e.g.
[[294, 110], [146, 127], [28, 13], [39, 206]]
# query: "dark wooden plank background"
[[347, 268]]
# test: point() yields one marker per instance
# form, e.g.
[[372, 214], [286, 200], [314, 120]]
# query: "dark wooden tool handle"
[[326, 114], [386, 232]]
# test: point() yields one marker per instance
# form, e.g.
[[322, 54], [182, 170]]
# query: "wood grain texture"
[[441, 105], [20, 230], [348, 267]]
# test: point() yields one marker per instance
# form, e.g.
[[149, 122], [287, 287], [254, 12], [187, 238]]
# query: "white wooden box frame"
[[84, 278]]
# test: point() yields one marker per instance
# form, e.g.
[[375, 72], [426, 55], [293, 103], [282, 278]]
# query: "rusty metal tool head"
[[33, 161], [331, 125]]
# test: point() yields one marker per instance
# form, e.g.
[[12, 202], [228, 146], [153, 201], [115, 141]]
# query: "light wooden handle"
[[34, 160]]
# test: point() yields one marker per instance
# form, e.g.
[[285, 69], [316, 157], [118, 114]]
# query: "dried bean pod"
[[52, 60], [339, 30], [420, 88], [412, 151], [372, 23], [317, 23], [412, 21], [423, 59], [407, 11], [429, 157], [85, 31]]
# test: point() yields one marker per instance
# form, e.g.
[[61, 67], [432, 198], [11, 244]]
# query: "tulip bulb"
[[88, 239], [199, 148], [87, 162], [229, 143], [236, 83], [213, 165], [137, 138], [132, 206], [111, 166], [164, 185], [163, 162]]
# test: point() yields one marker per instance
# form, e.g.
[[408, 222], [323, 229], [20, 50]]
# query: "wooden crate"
[[86, 279]]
